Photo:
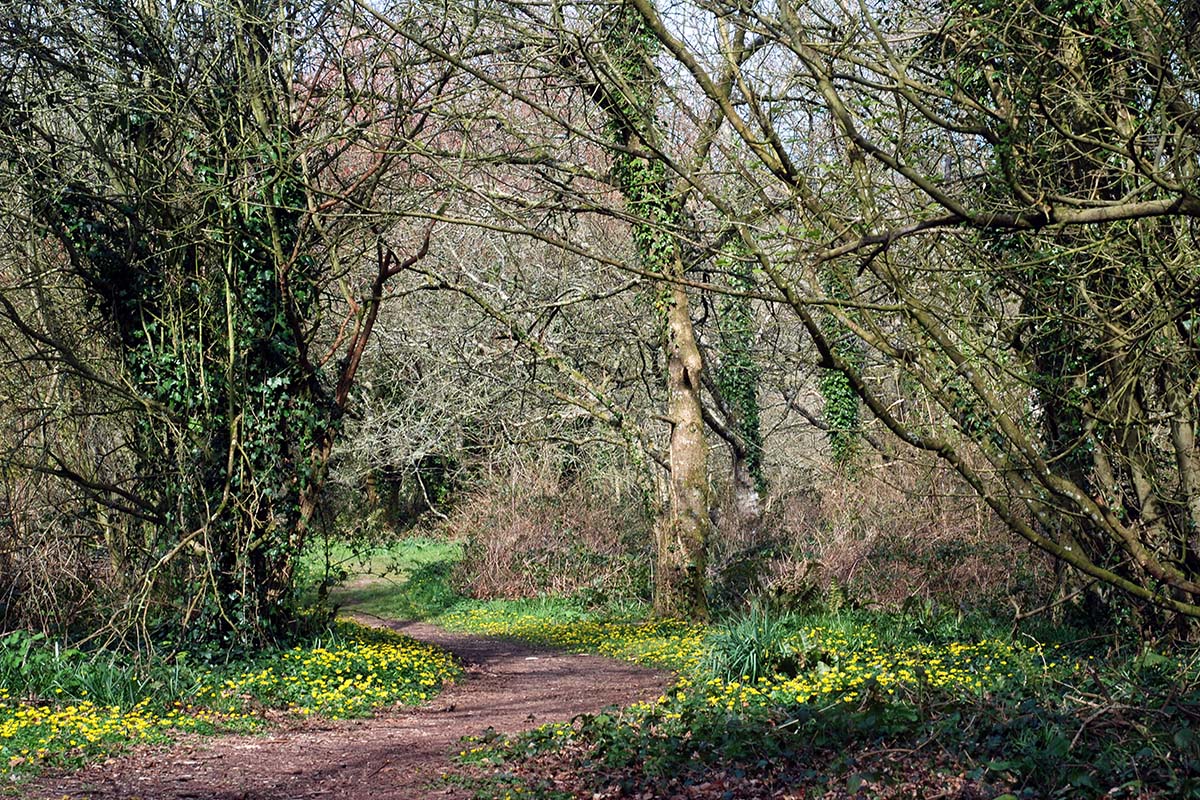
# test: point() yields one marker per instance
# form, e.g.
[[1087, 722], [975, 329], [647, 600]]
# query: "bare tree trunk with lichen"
[[681, 535]]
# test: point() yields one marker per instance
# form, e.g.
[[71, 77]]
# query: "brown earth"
[[399, 754]]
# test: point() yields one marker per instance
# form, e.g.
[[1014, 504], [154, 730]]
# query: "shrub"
[[52, 576], [895, 533], [538, 530]]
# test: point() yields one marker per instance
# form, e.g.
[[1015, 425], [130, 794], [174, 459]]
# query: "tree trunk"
[[747, 502], [681, 536]]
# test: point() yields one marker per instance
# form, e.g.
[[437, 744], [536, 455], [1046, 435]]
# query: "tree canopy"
[[973, 223]]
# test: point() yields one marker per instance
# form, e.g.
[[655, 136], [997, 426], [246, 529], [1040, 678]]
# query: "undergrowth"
[[64, 706], [843, 702], [808, 699]]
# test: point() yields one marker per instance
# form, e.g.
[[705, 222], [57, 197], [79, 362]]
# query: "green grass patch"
[[406, 579], [664, 643], [412, 579]]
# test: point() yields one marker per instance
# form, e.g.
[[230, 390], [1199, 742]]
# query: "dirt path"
[[393, 756]]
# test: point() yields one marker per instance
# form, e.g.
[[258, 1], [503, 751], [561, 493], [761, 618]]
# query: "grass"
[[411, 579], [407, 579]]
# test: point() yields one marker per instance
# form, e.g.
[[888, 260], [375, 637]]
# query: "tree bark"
[[682, 535], [747, 502]]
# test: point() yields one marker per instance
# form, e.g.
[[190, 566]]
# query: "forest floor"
[[886, 707], [398, 754]]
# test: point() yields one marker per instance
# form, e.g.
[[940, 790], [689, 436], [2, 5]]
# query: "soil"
[[399, 754]]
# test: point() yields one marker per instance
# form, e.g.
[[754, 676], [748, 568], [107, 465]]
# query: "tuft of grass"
[[761, 644], [33, 667]]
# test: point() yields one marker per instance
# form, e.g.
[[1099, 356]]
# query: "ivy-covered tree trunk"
[[206, 340], [182, 222], [841, 409], [264, 417], [683, 525], [737, 379]]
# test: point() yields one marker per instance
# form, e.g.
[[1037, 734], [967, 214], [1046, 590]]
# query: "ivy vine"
[[841, 410], [210, 334], [737, 373]]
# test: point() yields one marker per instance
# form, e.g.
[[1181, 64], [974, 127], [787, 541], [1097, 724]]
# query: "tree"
[[626, 90], [582, 134], [1014, 207], [736, 384], [522, 148], [183, 173]]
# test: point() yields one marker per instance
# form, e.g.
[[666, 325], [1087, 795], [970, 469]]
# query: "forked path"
[[396, 755]]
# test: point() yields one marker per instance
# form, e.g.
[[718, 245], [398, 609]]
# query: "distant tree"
[[572, 120]]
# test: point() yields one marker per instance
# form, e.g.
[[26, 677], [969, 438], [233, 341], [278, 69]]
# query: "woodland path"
[[397, 755]]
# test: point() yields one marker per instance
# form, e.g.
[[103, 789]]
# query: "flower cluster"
[[343, 681], [368, 669], [34, 732], [842, 667], [857, 667], [833, 665]]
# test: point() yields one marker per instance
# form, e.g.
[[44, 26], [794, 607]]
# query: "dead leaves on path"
[[898, 774]]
